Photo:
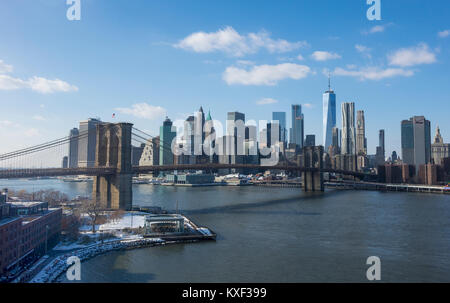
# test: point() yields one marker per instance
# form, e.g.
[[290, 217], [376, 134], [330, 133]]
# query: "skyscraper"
[[336, 142], [297, 125], [439, 149], [236, 130], [381, 143], [166, 137], [348, 128], [281, 118], [361, 142], [87, 142], [381, 153], [310, 140], [329, 116], [73, 148], [416, 141]]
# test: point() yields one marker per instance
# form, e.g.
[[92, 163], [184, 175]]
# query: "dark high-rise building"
[[65, 162], [416, 141], [87, 142], [73, 148], [166, 135], [381, 140], [136, 153], [348, 146], [310, 140], [298, 124]]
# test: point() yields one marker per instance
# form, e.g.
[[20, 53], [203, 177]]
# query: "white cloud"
[[11, 83], [376, 29], [266, 101], [47, 86], [364, 50], [245, 62], [5, 123], [324, 56], [373, 73], [229, 41], [143, 110], [38, 84], [39, 118], [265, 74], [308, 105], [300, 57], [5, 68], [444, 34], [416, 55]]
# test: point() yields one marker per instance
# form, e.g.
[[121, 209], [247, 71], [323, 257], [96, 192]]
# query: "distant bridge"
[[113, 169], [105, 171]]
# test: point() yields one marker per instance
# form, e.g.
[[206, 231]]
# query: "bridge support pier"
[[312, 177], [114, 150]]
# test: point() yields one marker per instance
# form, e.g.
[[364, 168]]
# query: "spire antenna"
[[329, 82]]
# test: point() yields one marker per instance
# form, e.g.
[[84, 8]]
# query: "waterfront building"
[[348, 128], [163, 224], [329, 116], [27, 230], [87, 142], [190, 179], [73, 148], [167, 136], [281, 118], [439, 149], [298, 125], [310, 140], [416, 141]]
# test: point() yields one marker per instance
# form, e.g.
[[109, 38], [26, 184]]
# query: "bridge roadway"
[[104, 171]]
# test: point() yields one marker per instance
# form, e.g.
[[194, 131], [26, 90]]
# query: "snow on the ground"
[[62, 246], [129, 220]]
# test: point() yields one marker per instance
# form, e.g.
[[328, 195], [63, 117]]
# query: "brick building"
[[27, 230]]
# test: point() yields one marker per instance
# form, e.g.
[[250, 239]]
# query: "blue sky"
[[145, 59]]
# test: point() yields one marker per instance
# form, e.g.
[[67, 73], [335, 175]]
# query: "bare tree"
[[93, 209], [116, 215]]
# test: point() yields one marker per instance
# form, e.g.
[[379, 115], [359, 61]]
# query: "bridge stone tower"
[[114, 151], [313, 159]]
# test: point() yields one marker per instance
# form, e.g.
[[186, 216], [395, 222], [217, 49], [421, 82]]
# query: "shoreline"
[[51, 272]]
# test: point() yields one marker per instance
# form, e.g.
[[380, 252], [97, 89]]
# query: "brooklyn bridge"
[[113, 169]]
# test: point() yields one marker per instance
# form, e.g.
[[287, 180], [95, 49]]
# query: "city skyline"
[[394, 91]]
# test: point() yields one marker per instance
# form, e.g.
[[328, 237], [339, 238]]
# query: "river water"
[[283, 235]]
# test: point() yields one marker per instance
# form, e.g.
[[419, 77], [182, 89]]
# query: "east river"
[[282, 235]]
